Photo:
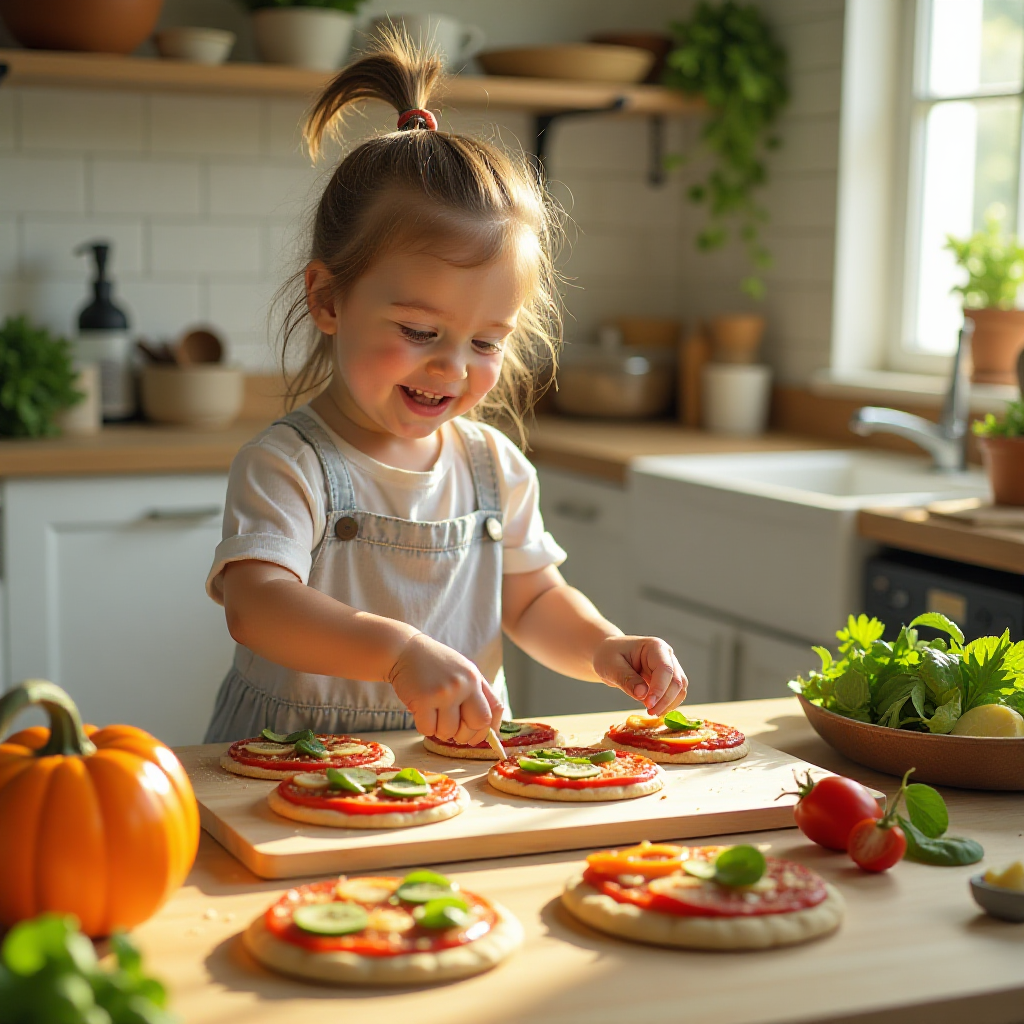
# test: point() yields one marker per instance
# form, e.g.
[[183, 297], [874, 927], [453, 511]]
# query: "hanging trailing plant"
[[727, 54]]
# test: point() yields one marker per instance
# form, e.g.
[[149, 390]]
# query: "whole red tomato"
[[829, 809], [876, 845]]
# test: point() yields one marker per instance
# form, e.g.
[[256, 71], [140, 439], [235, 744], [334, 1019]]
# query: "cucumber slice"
[[576, 771], [446, 912], [355, 780], [549, 754], [538, 765], [704, 869], [405, 789], [602, 757], [330, 918], [312, 748], [510, 728], [423, 876], [423, 892], [267, 749], [310, 780]]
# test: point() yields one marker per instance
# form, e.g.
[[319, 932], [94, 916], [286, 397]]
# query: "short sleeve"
[[526, 545], [274, 510]]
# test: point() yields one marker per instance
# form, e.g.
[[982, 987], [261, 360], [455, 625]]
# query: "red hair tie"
[[430, 122]]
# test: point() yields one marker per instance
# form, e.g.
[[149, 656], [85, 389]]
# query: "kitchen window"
[[964, 159]]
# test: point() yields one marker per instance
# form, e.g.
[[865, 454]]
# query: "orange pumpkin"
[[99, 823]]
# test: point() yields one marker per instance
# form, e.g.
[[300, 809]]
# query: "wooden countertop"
[[916, 529], [596, 448], [914, 947]]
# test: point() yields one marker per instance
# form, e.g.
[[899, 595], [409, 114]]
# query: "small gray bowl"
[[1005, 904]]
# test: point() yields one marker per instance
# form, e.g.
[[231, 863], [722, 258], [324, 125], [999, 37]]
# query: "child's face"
[[417, 340]]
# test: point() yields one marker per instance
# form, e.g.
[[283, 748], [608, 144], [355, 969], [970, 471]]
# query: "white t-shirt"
[[276, 506]]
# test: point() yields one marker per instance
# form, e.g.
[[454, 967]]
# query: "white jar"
[[736, 398], [305, 37], [111, 351]]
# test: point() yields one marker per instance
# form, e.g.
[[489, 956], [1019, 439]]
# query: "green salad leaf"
[[944, 851], [910, 683]]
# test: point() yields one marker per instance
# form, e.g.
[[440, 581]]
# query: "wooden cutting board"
[[698, 800]]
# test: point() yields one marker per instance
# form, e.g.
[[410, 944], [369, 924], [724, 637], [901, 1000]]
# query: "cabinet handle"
[[574, 510], [199, 512]]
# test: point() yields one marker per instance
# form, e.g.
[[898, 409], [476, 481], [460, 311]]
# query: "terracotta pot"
[[657, 43], [967, 762], [736, 338], [997, 342], [96, 26], [649, 331], [1004, 460]]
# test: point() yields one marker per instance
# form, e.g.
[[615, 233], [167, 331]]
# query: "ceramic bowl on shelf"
[[94, 26], [966, 762], [198, 45], [1006, 904], [580, 62], [207, 396]]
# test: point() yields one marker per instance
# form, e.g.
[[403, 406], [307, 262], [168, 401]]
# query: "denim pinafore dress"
[[443, 577]]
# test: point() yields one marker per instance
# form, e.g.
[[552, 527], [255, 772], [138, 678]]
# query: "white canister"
[[111, 351], [456, 43], [736, 398], [316, 38], [86, 416]]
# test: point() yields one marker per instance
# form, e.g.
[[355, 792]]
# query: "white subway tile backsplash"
[[284, 128], [227, 250], [815, 42], [241, 307], [262, 190], [48, 247], [42, 184], [815, 93], [285, 247], [75, 121], [145, 186], [8, 137], [8, 247], [162, 309], [50, 302], [808, 144], [802, 201], [214, 125]]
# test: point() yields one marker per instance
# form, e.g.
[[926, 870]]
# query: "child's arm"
[[559, 627], [273, 613]]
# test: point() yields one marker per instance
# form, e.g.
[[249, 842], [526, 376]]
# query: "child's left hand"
[[643, 667]]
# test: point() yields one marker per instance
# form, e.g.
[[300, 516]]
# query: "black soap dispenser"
[[103, 339]]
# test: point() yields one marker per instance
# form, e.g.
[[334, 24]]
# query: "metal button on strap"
[[493, 528], [346, 528]]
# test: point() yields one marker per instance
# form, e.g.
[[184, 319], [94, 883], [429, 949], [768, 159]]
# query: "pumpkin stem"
[[67, 736]]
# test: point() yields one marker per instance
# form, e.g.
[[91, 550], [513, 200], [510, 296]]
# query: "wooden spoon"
[[198, 347]]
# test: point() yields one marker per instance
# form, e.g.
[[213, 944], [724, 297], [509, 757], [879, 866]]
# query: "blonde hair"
[[437, 190]]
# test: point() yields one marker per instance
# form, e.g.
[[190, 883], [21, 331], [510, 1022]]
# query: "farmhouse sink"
[[770, 539]]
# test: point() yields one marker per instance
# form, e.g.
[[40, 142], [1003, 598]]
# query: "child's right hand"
[[445, 692]]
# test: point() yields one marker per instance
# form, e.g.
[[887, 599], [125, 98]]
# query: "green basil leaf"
[[852, 690], [446, 912], [927, 809], [946, 714], [949, 851], [739, 865], [312, 748], [678, 722], [410, 775], [936, 621]]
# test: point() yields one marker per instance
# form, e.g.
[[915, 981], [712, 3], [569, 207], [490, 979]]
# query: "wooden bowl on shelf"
[[579, 62], [966, 762]]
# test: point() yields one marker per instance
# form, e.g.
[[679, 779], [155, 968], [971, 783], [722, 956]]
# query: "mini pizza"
[[383, 931], [703, 897], [368, 797], [272, 755], [515, 736], [676, 739], [577, 774]]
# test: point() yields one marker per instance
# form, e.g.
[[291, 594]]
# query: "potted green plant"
[[1002, 447], [727, 54], [994, 262], [313, 34], [37, 379]]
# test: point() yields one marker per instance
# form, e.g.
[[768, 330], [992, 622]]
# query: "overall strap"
[[340, 494], [481, 464]]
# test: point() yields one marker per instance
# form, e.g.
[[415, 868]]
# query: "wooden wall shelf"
[[538, 96]]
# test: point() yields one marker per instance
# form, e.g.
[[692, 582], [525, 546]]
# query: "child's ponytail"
[[462, 198]]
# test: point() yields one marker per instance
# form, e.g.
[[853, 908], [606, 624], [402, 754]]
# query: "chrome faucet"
[[945, 441]]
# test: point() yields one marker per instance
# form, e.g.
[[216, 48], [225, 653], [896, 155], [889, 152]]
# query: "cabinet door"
[[766, 663], [105, 596], [704, 646]]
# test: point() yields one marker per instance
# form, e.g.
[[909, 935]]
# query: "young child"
[[379, 539]]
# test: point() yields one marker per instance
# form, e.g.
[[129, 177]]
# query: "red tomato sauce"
[[278, 920], [538, 734], [442, 792], [725, 736], [625, 770]]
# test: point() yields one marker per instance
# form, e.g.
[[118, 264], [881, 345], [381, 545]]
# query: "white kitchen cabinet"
[[764, 664], [104, 581]]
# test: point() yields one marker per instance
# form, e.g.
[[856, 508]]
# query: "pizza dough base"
[[344, 968], [764, 932], [251, 771], [479, 754], [579, 796], [689, 757], [338, 819]]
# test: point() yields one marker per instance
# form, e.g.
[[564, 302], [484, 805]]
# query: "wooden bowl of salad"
[[966, 762]]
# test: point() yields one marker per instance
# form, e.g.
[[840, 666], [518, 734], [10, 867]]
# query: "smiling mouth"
[[429, 398]]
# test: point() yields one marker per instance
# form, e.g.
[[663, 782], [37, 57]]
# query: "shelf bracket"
[[543, 122], [4, 68]]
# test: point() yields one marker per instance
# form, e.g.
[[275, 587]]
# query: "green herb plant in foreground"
[[924, 686], [1011, 425], [49, 974], [36, 379]]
